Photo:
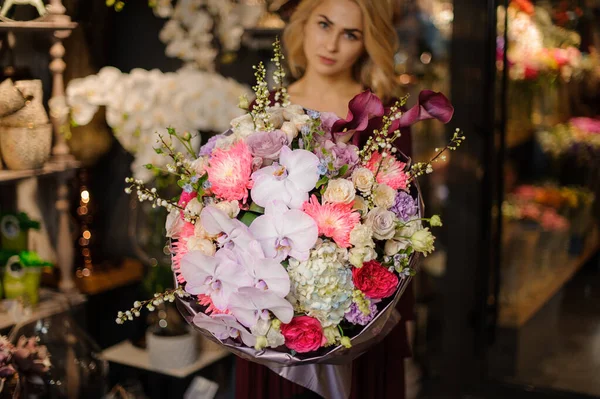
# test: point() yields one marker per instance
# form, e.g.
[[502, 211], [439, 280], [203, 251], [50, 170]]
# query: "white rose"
[[339, 191], [362, 236], [194, 207], [231, 208], [201, 244], [392, 247], [363, 179], [174, 223], [300, 120], [276, 116], [361, 205], [243, 126], [358, 256], [290, 131], [384, 196], [383, 223]]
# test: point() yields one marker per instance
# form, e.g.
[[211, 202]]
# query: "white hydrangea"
[[322, 285]]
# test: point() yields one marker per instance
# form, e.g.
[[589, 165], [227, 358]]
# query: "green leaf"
[[322, 181], [148, 166], [181, 183], [158, 151], [256, 209], [248, 217], [343, 170]]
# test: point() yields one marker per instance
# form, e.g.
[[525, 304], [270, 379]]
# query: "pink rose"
[[374, 280], [303, 334]]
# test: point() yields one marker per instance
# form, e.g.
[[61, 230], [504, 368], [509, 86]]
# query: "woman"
[[336, 49]]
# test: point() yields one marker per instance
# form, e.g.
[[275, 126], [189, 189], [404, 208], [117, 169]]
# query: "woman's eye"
[[323, 24], [351, 36]]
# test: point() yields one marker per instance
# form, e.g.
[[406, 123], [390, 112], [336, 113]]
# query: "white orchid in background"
[[143, 103], [289, 181], [193, 24]]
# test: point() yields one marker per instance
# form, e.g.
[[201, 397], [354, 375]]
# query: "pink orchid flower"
[[282, 232], [224, 326], [250, 304], [217, 276]]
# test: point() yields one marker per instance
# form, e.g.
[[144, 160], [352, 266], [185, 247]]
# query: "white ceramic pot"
[[172, 352], [25, 148]]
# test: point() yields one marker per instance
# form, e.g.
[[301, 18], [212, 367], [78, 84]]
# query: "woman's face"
[[333, 37]]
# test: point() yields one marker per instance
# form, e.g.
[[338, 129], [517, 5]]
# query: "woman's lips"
[[326, 61]]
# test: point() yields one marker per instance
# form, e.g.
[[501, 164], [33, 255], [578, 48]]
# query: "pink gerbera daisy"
[[179, 249], [229, 172], [388, 171], [333, 220], [205, 300]]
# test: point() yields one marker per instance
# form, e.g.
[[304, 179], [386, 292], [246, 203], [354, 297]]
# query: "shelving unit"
[[515, 316], [59, 25]]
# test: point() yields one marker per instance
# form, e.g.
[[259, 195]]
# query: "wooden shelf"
[[515, 316], [127, 354], [51, 167], [98, 281], [45, 23]]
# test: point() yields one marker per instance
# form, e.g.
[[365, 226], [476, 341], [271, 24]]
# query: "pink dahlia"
[[388, 171], [229, 172], [333, 220]]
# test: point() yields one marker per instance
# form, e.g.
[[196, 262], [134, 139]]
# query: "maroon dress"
[[379, 373]]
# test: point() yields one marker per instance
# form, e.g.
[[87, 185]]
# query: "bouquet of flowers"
[[22, 366], [291, 244]]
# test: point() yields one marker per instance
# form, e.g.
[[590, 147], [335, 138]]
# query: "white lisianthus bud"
[[174, 223], [435, 221], [339, 191], [363, 179], [422, 241]]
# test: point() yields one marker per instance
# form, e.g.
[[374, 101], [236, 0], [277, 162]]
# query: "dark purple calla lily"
[[431, 105], [361, 110]]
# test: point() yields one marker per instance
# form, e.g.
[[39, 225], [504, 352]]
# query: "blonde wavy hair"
[[375, 69]]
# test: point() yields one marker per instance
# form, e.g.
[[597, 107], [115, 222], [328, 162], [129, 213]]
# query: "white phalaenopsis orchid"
[[250, 304], [267, 274], [217, 276], [289, 181], [232, 232], [283, 232], [224, 326]]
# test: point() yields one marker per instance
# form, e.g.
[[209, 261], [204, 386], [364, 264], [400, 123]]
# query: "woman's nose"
[[332, 42]]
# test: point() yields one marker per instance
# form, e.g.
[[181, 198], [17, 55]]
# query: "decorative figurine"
[[8, 4]]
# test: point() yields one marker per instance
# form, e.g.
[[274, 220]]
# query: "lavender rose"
[[404, 206], [267, 145]]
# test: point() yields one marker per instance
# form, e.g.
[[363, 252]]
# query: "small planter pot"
[[172, 352]]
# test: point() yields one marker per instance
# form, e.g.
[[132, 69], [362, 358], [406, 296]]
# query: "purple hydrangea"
[[405, 207], [355, 316], [339, 154]]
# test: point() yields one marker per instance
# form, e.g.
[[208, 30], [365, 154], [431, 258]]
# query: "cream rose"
[[290, 131], [201, 244], [383, 223], [422, 241], [392, 247], [363, 179], [292, 110], [384, 196], [194, 207], [339, 191], [231, 208], [199, 165], [361, 205], [362, 236]]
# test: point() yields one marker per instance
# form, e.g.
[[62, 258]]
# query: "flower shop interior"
[[505, 305]]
